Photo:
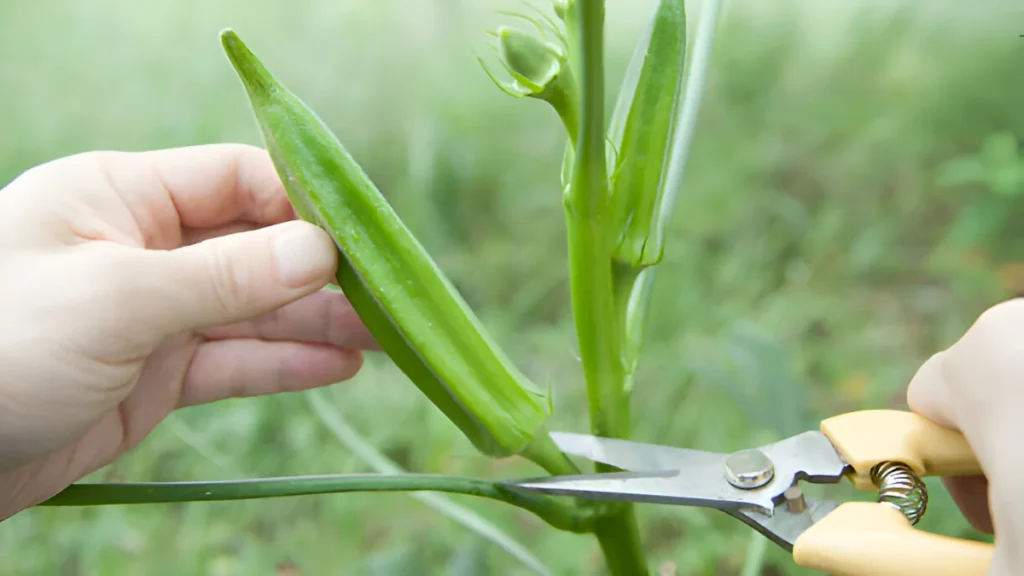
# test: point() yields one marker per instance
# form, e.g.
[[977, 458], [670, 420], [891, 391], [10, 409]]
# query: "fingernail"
[[304, 255]]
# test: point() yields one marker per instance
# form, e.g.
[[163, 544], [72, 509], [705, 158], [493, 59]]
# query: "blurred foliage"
[[850, 208]]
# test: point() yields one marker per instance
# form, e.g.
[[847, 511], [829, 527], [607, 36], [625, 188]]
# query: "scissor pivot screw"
[[749, 469]]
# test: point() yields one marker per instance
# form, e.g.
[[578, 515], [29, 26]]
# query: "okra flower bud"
[[540, 70], [410, 307], [642, 130], [532, 61]]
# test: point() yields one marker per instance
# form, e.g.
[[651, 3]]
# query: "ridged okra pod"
[[405, 300], [642, 130]]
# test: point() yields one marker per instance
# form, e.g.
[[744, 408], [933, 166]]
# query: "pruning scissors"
[[887, 451]]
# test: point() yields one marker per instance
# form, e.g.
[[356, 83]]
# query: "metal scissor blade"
[[785, 526], [627, 455], [695, 478], [697, 485]]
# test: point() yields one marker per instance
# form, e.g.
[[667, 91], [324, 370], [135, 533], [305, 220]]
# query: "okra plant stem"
[[587, 218], [597, 317]]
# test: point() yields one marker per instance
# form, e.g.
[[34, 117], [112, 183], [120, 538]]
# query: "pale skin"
[[977, 386], [134, 284]]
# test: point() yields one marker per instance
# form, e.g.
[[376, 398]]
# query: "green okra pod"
[[641, 131], [405, 300]]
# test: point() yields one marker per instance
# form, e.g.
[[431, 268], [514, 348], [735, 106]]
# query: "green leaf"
[[1005, 167], [961, 171], [979, 223], [414, 312], [998, 166]]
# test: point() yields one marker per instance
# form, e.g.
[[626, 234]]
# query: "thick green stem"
[[557, 514], [618, 532], [597, 316], [587, 218], [543, 452]]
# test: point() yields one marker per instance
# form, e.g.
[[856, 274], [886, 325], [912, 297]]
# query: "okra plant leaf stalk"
[[564, 518], [405, 300]]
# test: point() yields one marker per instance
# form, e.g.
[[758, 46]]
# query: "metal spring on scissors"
[[900, 487]]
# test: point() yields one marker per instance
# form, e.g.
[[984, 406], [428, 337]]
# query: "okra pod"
[[405, 300], [641, 131]]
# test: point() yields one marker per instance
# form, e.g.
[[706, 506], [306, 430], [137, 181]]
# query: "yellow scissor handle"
[[869, 539], [870, 437], [864, 538]]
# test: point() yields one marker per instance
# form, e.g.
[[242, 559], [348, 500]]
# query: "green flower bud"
[[539, 69], [533, 62]]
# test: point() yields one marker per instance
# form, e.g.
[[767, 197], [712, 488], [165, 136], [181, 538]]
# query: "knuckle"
[[1004, 316], [983, 367], [229, 290], [995, 335]]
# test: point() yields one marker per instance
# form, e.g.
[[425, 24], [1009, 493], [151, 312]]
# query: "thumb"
[[235, 277], [975, 387]]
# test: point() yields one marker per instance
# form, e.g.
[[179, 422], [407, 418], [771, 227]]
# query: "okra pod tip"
[[254, 75], [402, 295]]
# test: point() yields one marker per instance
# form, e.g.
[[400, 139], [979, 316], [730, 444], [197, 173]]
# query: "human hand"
[[977, 386], [137, 283]]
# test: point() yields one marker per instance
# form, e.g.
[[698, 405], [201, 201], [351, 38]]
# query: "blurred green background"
[[852, 204]]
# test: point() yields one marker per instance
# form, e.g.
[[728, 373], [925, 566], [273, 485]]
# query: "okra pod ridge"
[[405, 300]]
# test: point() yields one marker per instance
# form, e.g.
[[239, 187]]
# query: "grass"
[[801, 277]]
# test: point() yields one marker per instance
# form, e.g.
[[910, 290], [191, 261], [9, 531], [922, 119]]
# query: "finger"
[[928, 394], [223, 280], [209, 185], [970, 493], [150, 198], [241, 368], [324, 317], [191, 236]]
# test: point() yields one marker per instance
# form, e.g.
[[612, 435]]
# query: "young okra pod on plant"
[[405, 300], [642, 132]]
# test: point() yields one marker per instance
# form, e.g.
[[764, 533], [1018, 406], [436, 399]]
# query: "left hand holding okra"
[[137, 283]]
